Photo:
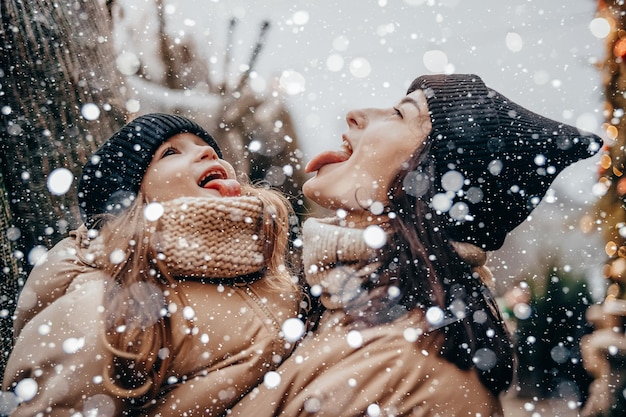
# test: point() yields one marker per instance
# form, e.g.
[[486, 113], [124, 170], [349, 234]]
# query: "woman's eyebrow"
[[409, 100]]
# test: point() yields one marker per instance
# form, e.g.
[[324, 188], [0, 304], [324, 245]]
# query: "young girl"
[[178, 278], [421, 190]]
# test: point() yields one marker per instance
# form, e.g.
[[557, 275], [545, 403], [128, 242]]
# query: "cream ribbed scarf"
[[337, 259], [211, 237]]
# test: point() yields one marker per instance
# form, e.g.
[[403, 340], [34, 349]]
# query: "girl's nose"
[[356, 118], [207, 152]]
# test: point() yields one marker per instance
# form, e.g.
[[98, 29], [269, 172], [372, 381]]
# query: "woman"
[[421, 190], [178, 277]]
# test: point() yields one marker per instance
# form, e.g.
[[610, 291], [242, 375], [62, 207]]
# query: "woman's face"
[[378, 142], [185, 166]]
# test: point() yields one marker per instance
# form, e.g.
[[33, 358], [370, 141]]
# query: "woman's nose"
[[207, 152], [356, 118]]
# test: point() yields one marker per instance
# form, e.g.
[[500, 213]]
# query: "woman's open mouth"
[[330, 157]]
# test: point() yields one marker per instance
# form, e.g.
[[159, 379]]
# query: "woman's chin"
[[318, 192]]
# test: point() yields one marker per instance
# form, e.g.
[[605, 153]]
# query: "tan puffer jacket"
[[350, 369], [59, 323]]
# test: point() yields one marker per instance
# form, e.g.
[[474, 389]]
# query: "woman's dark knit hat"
[[494, 160], [112, 177]]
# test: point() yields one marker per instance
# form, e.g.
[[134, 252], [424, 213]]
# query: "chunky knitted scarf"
[[211, 237], [203, 237], [336, 259]]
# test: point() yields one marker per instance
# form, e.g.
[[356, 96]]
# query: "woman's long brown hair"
[[440, 278], [420, 261]]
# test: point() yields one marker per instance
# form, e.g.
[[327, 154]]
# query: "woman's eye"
[[398, 112], [169, 151]]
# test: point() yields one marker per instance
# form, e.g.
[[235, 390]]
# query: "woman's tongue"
[[226, 187], [325, 158]]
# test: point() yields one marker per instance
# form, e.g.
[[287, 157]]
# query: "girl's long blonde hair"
[[138, 331]]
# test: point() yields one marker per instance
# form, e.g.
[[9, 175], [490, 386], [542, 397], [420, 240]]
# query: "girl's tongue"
[[325, 158], [226, 187]]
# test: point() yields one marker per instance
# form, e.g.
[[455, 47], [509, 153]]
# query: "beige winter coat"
[[346, 369], [59, 344]]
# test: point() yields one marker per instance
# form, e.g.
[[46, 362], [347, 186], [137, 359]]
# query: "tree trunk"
[[55, 59]]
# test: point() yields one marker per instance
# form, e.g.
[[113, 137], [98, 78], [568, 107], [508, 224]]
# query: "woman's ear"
[[470, 254], [476, 258]]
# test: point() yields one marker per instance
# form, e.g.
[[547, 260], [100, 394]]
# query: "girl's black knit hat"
[[112, 177], [494, 160]]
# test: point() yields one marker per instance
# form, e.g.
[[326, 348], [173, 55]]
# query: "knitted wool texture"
[[211, 237], [494, 160], [337, 259], [112, 177]]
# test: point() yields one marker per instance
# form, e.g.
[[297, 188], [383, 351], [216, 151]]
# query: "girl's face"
[[378, 142], [185, 166]]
